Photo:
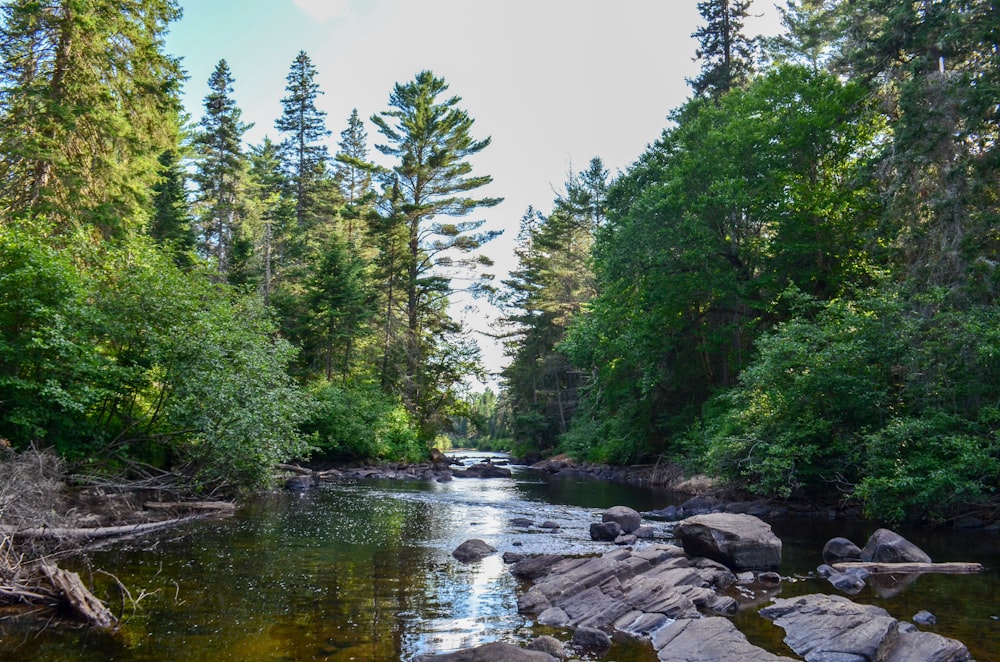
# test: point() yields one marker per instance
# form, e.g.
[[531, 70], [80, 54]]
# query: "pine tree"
[[275, 211], [727, 53], [88, 104], [354, 175], [303, 154], [431, 140], [171, 222], [221, 168]]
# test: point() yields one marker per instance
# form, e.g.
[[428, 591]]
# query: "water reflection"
[[363, 571]]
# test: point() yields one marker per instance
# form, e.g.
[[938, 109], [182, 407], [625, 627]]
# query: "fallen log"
[[952, 568], [70, 589], [223, 506], [91, 533]]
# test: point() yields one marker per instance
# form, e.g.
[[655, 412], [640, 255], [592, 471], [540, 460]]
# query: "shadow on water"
[[363, 571]]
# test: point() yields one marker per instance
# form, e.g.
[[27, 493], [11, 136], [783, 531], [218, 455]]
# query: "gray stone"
[[534, 567], [848, 582], [828, 628], [605, 531], [887, 546], [644, 533], [553, 616], [550, 645], [712, 639], [927, 647], [591, 639], [741, 542], [627, 518], [522, 523], [924, 617], [493, 652], [549, 524], [472, 550], [839, 550]]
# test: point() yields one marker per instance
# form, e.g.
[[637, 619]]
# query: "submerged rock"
[[493, 652], [742, 542]]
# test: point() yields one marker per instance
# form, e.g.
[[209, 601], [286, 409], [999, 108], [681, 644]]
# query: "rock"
[[701, 505], [482, 470], [927, 647], [605, 530], [848, 582], [549, 524], [625, 539], [831, 628], [522, 523], [887, 546], [924, 617], [670, 513], [493, 652], [707, 640], [472, 550], [819, 627], [742, 542], [824, 571], [301, 482], [553, 616], [838, 550], [645, 533], [511, 558], [626, 517], [533, 567], [591, 639], [771, 578], [438, 457], [550, 645]]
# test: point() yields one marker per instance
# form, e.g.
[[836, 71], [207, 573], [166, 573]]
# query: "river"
[[362, 570]]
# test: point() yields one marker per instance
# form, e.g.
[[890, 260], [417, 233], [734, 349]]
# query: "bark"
[[70, 589], [90, 533], [956, 568]]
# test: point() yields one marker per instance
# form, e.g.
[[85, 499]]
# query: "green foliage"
[[50, 371], [357, 421], [872, 397]]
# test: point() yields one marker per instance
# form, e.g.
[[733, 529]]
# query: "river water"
[[362, 570]]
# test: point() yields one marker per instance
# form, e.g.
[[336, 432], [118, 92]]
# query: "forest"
[[794, 288]]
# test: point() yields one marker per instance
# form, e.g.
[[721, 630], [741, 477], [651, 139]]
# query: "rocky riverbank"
[[678, 596]]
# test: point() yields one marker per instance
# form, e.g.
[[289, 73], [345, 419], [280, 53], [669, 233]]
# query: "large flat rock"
[[712, 639], [832, 628]]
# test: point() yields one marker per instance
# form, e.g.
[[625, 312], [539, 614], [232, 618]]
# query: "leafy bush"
[[357, 421]]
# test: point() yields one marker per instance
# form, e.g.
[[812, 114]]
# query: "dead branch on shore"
[[953, 568], [91, 533]]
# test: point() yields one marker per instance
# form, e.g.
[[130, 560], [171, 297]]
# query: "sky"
[[553, 83]]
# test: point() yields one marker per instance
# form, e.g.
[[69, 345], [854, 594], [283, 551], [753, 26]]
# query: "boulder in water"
[[887, 546], [472, 550], [741, 542]]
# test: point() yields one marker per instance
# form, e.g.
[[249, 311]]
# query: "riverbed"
[[362, 570]]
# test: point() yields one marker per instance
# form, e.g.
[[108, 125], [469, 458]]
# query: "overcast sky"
[[552, 82]]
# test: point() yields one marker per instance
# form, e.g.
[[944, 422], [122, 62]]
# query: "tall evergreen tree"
[[275, 211], [221, 170], [431, 139], [171, 222], [727, 53], [303, 125], [88, 103]]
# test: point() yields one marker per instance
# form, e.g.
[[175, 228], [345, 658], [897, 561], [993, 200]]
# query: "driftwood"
[[90, 533], [220, 506], [954, 568], [70, 589]]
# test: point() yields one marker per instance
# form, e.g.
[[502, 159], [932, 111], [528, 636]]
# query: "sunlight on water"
[[363, 571]]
